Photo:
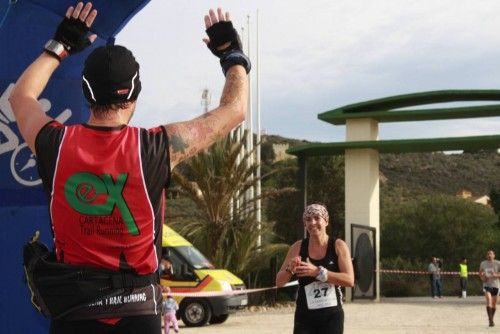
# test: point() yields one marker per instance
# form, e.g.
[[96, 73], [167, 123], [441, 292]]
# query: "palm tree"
[[216, 180]]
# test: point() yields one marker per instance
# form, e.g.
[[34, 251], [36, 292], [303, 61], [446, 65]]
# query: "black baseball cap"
[[111, 75]]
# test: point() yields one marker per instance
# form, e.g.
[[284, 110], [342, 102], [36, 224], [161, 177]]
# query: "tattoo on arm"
[[232, 89], [178, 144], [200, 131], [189, 138]]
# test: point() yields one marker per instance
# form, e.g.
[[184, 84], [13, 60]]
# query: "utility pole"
[[257, 153], [206, 98], [250, 196]]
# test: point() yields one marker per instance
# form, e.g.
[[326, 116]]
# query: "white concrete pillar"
[[362, 186]]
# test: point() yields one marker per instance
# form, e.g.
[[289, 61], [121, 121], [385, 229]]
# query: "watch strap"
[[56, 49], [323, 274], [235, 57]]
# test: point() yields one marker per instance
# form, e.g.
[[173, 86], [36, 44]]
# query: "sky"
[[319, 55]]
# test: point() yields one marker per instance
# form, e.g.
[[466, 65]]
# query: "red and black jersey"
[[106, 191]]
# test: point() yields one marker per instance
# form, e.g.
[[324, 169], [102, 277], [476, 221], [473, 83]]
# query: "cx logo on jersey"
[[97, 195]]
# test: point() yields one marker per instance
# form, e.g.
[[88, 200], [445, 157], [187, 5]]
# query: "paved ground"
[[389, 316]]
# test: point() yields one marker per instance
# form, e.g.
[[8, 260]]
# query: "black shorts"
[[493, 291], [325, 324], [144, 324]]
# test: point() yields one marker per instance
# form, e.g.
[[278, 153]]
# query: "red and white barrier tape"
[[226, 293], [293, 283], [422, 272]]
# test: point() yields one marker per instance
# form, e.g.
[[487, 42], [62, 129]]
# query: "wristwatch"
[[56, 49], [323, 274]]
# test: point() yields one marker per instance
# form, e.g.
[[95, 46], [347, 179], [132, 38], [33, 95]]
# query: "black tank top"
[[330, 262]]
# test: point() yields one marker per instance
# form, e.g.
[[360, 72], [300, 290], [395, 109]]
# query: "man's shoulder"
[[155, 129], [53, 124], [49, 132], [153, 132]]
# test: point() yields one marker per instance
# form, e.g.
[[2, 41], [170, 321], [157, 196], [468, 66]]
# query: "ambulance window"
[[176, 265], [194, 257]]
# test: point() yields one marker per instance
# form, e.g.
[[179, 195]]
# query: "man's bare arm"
[[190, 137], [24, 97]]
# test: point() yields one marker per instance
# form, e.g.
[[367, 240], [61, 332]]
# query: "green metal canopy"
[[389, 110], [400, 146], [385, 109]]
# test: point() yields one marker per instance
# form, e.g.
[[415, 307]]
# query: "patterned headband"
[[315, 210]]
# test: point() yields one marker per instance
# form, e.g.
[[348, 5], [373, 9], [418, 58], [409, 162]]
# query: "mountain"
[[437, 172], [442, 173]]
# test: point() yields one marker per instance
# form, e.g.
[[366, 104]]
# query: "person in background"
[[166, 269], [489, 272], [434, 270], [170, 308], [464, 273], [322, 265]]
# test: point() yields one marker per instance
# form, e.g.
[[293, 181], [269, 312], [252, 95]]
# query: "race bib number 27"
[[320, 295]]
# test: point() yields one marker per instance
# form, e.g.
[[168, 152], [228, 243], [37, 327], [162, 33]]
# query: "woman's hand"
[[293, 264], [306, 268]]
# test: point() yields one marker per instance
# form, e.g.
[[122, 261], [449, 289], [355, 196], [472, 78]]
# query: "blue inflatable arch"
[[25, 26]]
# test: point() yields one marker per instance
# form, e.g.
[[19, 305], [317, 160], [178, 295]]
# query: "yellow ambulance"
[[191, 273]]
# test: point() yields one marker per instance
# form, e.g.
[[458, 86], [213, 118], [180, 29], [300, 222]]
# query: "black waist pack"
[[57, 289]]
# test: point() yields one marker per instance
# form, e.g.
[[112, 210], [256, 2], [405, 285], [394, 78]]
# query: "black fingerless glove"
[[224, 32], [72, 33]]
